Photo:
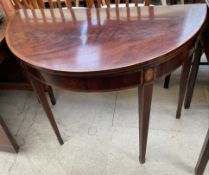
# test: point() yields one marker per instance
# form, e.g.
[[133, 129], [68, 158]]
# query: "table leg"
[[145, 98], [39, 89], [193, 76], [183, 84], [204, 157]]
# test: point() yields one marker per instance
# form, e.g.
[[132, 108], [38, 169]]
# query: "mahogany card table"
[[106, 49]]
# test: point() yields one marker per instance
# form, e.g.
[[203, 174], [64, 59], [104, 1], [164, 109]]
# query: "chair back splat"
[[115, 3], [41, 4]]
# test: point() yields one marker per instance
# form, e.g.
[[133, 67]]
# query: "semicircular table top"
[[93, 40]]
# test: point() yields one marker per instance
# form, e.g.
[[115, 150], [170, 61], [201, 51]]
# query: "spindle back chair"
[[36, 4], [41, 4], [117, 3]]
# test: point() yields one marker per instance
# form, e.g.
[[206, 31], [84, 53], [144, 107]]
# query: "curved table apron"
[[105, 50]]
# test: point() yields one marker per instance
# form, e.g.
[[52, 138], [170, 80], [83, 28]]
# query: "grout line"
[[114, 109], [12, 165], [24, 115]]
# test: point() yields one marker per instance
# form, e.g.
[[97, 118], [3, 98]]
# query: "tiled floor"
[[101, 132]]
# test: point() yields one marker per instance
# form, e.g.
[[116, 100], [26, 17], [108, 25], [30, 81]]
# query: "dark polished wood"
[[183, 85], [106, 49], [204, 157], [39, 89], [145, 99], [95, 30]]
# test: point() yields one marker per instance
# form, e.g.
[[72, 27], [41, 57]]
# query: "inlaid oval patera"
[[149, 74]]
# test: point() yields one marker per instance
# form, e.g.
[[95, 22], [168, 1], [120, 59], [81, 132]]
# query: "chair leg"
[[193, 77], [204, 157], [39, 89], [167, 80], [183, 84], [51, 95]]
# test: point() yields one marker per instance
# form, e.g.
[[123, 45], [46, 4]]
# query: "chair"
[[35, 4], [203, 47], [203, 157], [32, 4]]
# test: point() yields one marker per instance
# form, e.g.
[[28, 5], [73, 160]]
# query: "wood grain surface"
[[101, 40]]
